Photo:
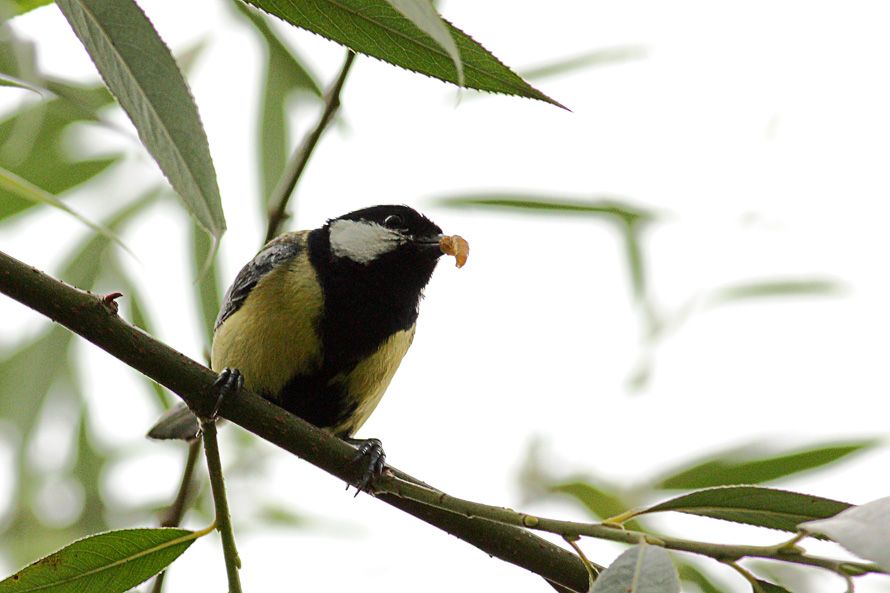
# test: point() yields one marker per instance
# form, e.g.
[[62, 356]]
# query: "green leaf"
[[424, 16], [208, 293], [741, 467], [12, 81], [601, 57], [140, 70], [139, 318], [690, 573], [14, 184], [44, 359], [641, 569], [600, 503], [17, 7], [111, 562], [630, 219], [767, 587], [772, 289], [286, 76], [375, 28], [753, 505], [607, 207], [33, 146]]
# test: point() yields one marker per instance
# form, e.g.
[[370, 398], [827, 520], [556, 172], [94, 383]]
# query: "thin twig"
[[173, 514], [297, 163], [223, 518], [398, 486]]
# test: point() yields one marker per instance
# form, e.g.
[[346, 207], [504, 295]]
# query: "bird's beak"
[[454, 245]]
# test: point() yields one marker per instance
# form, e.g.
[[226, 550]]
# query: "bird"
[[319, 321]]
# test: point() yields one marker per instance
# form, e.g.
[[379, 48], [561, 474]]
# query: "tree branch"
[[285, 188], [87, 315]]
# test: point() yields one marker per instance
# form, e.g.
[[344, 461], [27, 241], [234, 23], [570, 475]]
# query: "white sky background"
[[760, 130]]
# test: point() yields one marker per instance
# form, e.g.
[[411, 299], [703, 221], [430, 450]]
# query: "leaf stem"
[[297, 164], [592, 571], [223, 518]]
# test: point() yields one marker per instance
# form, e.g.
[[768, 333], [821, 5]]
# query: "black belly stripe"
[[317, 401]]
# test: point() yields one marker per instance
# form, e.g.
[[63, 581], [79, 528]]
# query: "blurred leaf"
[[14, 184], [140, 70], [17, 7], [12, 81], [424, 16], [602, 57], [88, 469], [752, 505], [630, 219], [139, 318], [863, 530], [278, 515], [641, 569], [689, 573], [33, 145], [607, 207], [40, 362], [767, 587], [111, 562], [772, 288], [208, 294], [600, 503], [375, 28], [286, 75], [740, 467]]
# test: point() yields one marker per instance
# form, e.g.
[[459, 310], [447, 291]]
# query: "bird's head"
[[381, 253], [385, 236]]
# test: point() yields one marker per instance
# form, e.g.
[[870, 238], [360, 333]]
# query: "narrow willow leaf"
[[208, 293], [45, 359], [286, 76], [772, 289], [32, 144], [600, 503], [14, 184], [424, 16], [740, 467], [641, 569], [767, 587], [12, 81], [863, 530], [111, 562], [690, 573], [547, 204], [140, 70], [139, 318], [375, 28], [17, 7], [602, 57], [753, 505]]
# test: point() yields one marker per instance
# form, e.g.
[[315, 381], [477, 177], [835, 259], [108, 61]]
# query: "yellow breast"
[[272, 337], [367, 382]]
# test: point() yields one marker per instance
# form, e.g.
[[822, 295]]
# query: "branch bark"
[[90, 317]]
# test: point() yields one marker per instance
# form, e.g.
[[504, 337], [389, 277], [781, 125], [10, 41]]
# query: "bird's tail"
[[177, 423]]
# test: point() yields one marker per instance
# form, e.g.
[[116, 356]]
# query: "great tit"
[[318, 321]]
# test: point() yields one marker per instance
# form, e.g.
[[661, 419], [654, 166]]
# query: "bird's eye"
[[393, 221]]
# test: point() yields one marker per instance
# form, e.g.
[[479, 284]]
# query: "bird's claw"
[[229, 382], [370, 451]]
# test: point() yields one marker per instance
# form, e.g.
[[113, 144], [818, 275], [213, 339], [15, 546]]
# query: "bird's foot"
[[228, 383], [369, 451]]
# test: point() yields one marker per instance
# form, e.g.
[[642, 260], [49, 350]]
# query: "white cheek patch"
[[362, 241]]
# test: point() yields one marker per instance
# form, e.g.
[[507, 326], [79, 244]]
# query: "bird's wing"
[[272, 255]]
